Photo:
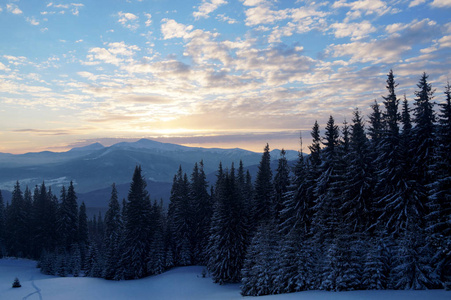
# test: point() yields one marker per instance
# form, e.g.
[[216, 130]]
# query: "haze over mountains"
[[94, 168]]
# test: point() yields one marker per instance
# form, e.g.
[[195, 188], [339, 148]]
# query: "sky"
[[209, 73]]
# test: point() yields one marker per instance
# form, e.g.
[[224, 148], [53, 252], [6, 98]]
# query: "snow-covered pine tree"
[[297, 206], [68, 217], [16, 223], [45, 207], [157, 261], [263, 208], [393, 185], [180, 220], [28, 214], [202, 208], [75, 260], [439, 202], [260, 268], [328, 215], [113, 235], [424, 131], [137, 230], [281, 184], [228, 233], [413, 269], [83, 232], [94, 264], [358, 204], [296, 260]]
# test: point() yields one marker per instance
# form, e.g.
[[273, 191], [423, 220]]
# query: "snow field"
[[178, 283]]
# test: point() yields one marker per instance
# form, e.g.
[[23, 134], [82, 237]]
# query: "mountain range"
[[94, 168]]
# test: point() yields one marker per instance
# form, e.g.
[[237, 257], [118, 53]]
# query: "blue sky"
[[213, 73]]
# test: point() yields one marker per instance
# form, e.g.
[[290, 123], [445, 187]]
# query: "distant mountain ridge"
[[95, 167]]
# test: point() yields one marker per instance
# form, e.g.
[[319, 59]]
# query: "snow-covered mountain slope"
[[179, 283]]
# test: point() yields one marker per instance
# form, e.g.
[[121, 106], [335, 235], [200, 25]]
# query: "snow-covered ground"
[[179, 283]]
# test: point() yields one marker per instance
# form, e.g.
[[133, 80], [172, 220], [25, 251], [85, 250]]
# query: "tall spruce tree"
[[263, 208], [358, 203], [281, 184], [16, 223], [424, 130], [136, 228], [113, 235], [439, 202], [45, 207], [68, 217], [202, 210], [180, 219], [228, 233]]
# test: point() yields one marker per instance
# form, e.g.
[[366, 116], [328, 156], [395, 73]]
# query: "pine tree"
[[326, 217], [315, 148], [16, 223], [281, 183], [45, 207], [263, 208], [260, 267], [75, 257], [68, 217], [439, 202], [296, 215], [180, 218], [360, 179], [202, 210], [28, 215], [113, 235], [82, 235], [157, 259], [228, 233], [136, 228], [423, 132], [93, 262], [376, 126]]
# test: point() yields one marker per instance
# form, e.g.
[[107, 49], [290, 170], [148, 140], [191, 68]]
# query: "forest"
[[369, 208]]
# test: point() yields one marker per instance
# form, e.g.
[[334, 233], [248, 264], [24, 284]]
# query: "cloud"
[[356, 31], [32, 21], [171, 29], [128, 20], [51, 132], [445, 42], [115, 54], [441, 3], [300, 19], [148, 99], [13, 8], [3, 67], [416, 3], [74, 8], [390, 49], [207, 7], [364, 7], [224, 18], [149, 19]]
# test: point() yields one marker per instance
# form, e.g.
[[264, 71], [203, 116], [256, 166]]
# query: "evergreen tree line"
[[369, 208], [39, 225]]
